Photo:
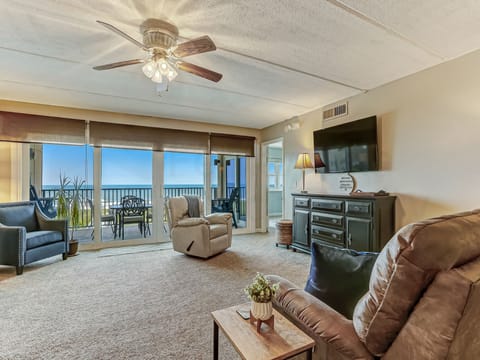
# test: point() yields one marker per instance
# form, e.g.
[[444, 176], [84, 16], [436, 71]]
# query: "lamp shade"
[[303, 162], [318, 161]]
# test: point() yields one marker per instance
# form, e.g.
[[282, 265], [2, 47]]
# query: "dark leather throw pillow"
[[339, 277]]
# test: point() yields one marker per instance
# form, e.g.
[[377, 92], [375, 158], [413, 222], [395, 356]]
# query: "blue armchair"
[[28, 235]]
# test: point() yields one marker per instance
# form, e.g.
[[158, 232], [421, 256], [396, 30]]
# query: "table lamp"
[[303, 162]]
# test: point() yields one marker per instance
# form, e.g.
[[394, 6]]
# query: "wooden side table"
[[284, 232], [282, 343]]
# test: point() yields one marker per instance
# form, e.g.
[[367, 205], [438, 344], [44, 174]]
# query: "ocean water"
[[112, 194], [90, 187]]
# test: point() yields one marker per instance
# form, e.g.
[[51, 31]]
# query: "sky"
[[122, 166]]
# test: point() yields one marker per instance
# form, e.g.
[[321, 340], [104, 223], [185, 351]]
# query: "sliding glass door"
[[125, 187], [229, 187], [73, 163], [126, 194]]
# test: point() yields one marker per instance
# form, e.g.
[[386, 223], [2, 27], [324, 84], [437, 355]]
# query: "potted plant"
[[62, 198], [261, 292], [75, 211]]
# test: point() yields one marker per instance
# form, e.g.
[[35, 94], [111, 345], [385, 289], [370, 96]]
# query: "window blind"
[[142, 137], [227, 144], [28, 128]]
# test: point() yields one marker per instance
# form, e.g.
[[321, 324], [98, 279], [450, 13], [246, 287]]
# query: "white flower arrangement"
[[260, 290]]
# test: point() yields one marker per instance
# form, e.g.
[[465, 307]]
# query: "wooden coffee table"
[[282, 343]]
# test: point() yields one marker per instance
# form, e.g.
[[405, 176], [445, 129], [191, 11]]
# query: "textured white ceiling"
[[277, 56]]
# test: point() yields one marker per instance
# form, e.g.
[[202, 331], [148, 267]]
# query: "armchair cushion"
[[19, 216], [41, 238], [339, 277]]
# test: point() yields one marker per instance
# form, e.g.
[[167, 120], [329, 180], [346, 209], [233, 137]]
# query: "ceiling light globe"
[[172, 74], [163, 66], [157, 76], [149, 69]]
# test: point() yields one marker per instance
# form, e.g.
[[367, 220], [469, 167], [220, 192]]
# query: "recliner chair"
[[422, 301], [202, 236]]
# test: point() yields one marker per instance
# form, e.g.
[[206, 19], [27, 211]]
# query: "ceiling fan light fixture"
[[164, 57], [149, 69]]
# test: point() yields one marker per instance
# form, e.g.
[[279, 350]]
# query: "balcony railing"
[[113, 195]]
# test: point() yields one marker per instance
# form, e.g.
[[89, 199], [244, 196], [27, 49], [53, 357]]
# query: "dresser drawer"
[[328, 234], [301, 202], [359, 208], [327, 219], [325, 204]]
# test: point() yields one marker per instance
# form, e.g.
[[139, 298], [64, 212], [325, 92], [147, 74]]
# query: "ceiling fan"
[[164, 55]]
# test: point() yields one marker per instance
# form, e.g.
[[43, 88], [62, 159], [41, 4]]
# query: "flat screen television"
[[349, 147]]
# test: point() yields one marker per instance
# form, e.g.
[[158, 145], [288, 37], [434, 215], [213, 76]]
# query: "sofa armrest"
[[45, 223], [219, 218], [319, 320], [13, 242], [191, 222]]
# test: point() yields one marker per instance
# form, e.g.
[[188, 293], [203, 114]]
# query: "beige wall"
[[5, 172], [430, 141]]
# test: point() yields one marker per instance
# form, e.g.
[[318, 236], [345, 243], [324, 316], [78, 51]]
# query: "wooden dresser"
[[355, 222]]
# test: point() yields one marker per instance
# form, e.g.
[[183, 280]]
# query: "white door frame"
[[158, 234], [250, 190], [264, 182]]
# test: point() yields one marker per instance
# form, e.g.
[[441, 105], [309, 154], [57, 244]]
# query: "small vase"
[[262, 311]]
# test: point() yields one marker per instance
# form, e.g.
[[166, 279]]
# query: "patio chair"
[[132, 211], [228, 204], [108, 219], [46, 205]]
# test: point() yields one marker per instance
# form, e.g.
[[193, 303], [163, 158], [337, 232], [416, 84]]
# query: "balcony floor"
[[85, 235]]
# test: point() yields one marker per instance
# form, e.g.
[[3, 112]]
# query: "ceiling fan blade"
[[195, 46], [118, 64], [199, 71], [122, 34]]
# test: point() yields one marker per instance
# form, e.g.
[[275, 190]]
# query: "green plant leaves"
[[260, 290]]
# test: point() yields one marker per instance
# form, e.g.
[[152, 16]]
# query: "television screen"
[[348, 147]]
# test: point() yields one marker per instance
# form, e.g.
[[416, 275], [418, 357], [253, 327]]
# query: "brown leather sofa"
[[423, 299]]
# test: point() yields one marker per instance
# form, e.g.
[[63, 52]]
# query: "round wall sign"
[[347, 183]]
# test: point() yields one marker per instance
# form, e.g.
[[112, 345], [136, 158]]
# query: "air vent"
[[336, 111]]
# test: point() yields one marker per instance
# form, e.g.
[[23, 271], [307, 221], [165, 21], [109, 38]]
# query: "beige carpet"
[[138, 305]]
